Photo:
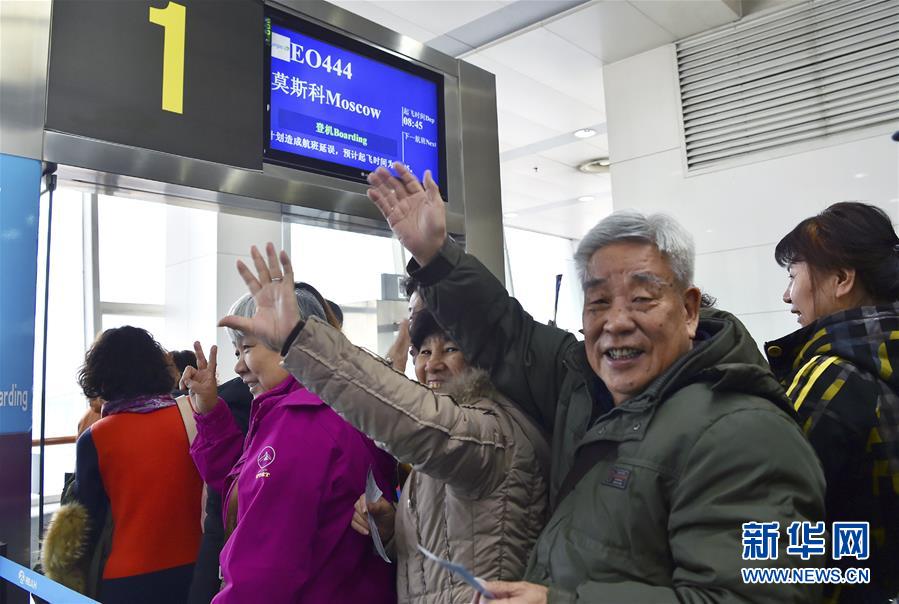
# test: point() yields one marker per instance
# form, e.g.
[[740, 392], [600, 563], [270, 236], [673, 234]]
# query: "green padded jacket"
[[674, 473]]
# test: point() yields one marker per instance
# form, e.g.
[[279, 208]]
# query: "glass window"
[[66, 338], [59, 460], [535, 260], [132, 239], [154, 324], [132, 258], [65, 317], [346, 268]]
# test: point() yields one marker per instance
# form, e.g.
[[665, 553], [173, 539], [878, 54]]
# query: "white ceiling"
[[547, 56]]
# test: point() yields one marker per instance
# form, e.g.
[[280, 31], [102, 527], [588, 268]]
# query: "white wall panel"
[[538, 52], [202, 316], [744, 280], [516, 131], [611, 30], [237, 233], [518, 92], [767, 326], [723, 210], [383, 15], [759, 203], [736, 214], [178, 234], [177, 315], [573, 221], [687, 17], [641, 104], [190, 277], [203, 237], [229, 287], [235, 236], [441, 16]]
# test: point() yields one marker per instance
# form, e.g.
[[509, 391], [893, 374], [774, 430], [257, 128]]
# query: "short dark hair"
[[846, 235], [184, 359], [410, 285], [423, 325], [338, 312], [125, 362]]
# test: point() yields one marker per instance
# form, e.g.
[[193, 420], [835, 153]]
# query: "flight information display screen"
[[340, 107]]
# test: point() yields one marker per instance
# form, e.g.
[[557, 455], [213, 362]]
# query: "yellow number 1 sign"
[[173, 18]]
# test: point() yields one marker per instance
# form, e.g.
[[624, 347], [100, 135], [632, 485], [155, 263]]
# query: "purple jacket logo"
[[265, 458]]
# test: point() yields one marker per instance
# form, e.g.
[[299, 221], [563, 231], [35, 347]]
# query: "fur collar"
[[65, 542], [470, 386]]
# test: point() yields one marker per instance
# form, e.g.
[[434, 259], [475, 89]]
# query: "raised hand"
[[200, 382], [277, 312], [415, 213], [398, 353]]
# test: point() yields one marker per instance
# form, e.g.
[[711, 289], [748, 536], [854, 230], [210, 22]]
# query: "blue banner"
[[39, 585], [20, 182]]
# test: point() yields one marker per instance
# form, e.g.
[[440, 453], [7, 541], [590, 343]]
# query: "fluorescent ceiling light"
[[585, 133], [586, 198]]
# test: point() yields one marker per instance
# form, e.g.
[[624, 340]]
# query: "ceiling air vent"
[[819, 68], [595, 166]]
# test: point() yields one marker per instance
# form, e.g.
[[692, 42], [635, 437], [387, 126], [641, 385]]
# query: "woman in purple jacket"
[[288, 489]]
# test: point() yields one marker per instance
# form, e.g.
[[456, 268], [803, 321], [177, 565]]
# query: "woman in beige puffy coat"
[[478, 491]]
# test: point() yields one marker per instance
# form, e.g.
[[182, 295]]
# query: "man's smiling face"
[[637, 320]]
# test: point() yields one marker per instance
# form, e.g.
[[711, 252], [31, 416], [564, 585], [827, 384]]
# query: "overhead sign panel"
[[179, 77], [341, 107]]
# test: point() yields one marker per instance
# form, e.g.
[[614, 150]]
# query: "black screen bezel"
[[319, 166]]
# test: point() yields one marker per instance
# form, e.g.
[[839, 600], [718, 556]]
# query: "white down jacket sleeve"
[[467, 446]]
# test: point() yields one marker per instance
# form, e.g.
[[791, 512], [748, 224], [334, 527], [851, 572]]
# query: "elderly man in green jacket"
[[674, 449]]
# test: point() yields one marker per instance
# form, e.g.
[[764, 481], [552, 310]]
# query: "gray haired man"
[[676, 462]]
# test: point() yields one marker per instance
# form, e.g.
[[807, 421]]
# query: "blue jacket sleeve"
[[89, 489]]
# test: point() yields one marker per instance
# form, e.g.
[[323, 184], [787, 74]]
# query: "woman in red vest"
[[135, 462]]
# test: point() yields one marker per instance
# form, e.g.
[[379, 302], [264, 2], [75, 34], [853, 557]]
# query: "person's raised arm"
[[414, 212], [467, 447], [464, 446], [277, 319], [398, 353], [524, 357], [200, 382], [219, 440]]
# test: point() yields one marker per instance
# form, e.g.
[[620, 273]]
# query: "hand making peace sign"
[[200, 382]]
